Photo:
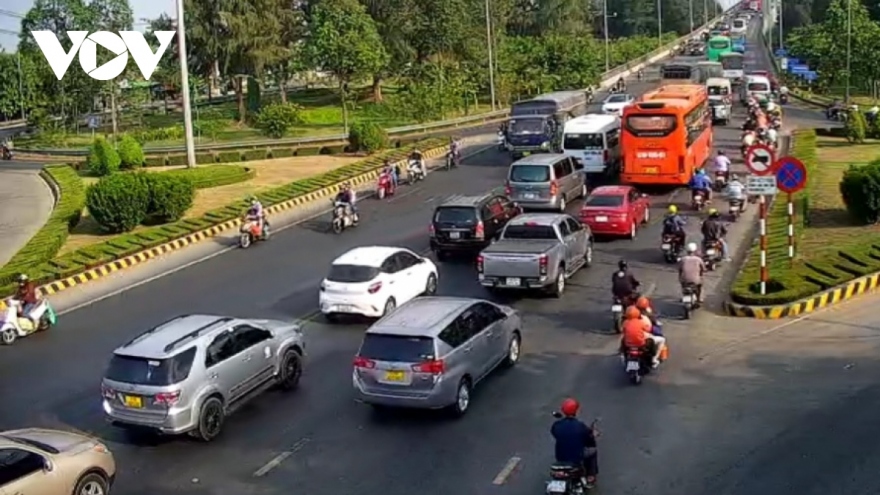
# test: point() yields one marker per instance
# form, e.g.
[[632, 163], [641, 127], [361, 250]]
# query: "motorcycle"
[[567, 479], [637, 362], [343, 217], [501, 141], [736, 208], [451, 161], [783, 98], [711, 254], [671, 248], [698, 201], [385, 185], [720, 181], [689, 300], [6, 153], [415, 171], [12, 327], [617, 314], [251, 232]]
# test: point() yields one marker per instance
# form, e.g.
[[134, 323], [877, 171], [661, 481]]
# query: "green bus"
[[718, 46]]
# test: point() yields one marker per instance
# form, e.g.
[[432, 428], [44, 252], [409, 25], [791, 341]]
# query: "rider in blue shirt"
[[700, 182], [576, 442]]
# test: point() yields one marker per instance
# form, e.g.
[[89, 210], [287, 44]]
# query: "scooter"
[[736, 208], [698, 202], [671, 249], [501, 141], [637, 363], [689, 300], [711, 254], [385, 185], [251, 232], [6, 153], [13, 327], [415, 171], [343, 218], [566, 479], [451, 161], [720, 181]]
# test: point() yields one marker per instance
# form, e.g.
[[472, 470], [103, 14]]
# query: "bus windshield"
[[644, 125], [719, 44], [677, 72], [732, 63], [526, 126]]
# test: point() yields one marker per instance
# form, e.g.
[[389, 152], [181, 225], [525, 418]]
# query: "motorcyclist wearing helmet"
[[736, 191], [624, 285], [393, 171], [346, 197], [701, 184], [576, 442], [416, 161], [673, 225], [26, 293], [713, 229], [256, 213], [691, 269], [637, 333], [455, 149], [643, 304], [722, 165]]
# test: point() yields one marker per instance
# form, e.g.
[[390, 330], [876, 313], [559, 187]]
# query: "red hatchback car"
[[615, 210]]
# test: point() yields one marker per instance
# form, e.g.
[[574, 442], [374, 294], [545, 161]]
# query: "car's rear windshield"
[[352, 273], [529, 232], [530, 173], [593, 141], [604, 201], [146, 371], [455, 214], [397, 348]]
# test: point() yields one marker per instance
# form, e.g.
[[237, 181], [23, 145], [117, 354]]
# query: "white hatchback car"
[[372, 281], [617, 102]]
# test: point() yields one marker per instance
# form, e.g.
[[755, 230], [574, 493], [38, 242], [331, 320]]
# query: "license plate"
[[342, 308], [455, 235], [133, 401], [617, 308], [710, 252], [601, 219], [395, 376], [527, 153], [652, 170], [687, 299], [666, 247], [512, 281], [632, 366], [556, 486], [530, 195]]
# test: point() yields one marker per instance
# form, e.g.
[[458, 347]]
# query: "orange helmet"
[[632, 313], [643, 303]]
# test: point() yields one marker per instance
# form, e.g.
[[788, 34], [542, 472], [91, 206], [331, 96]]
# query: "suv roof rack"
[[196, 333]]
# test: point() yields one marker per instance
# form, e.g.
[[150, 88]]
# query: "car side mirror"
[[48, 466]]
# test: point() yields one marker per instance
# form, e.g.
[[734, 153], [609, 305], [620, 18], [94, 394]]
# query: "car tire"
[[431, 285], [211, 418], [562, 203], [514, 351], [92, 484], [647, 217], [558, 286], [462, 398], [390, 306], [291, 370], [588, 255], [633, 231], [583, 194]]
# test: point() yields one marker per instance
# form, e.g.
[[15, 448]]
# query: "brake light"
[[434, 367], [681, 164], [364, 363], [480, 232], [166, 399], [554, 188], [507, 189], [480, 263], [542, 264], [431, 231], [374, 288], [559, 475]]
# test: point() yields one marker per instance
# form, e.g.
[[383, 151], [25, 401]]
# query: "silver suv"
[[431, 351], [188, 374]]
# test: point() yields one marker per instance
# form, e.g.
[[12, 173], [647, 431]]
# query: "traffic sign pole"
[[790, 229], [762, 223]]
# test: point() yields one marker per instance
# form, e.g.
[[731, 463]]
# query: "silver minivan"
[[546, 181], [432, 351]]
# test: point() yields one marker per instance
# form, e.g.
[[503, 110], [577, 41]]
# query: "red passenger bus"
[[666, 136]]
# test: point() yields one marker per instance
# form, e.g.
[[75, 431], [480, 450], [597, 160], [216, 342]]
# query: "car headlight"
[[545, 144]]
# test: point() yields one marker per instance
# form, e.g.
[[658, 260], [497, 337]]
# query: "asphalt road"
[[671, 433]]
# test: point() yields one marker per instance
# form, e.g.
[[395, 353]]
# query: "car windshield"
[[529, 232], [527, 126], [718, 91], [456, 215], [583, 142], [760, 87], [147, 371], [617, 99], [604, 201], [530, 173], [352, 273], [397, 348]]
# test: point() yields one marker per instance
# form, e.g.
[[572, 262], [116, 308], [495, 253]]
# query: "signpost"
[[760, 159], [762, 186], [791, 177]]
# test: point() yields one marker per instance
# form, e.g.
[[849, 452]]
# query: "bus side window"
[[695, 123]]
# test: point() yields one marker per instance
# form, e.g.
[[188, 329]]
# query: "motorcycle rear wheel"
[[381, 193], [337, 226], [244, 240], [635, 377]]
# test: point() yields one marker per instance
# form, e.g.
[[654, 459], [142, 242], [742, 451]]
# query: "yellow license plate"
[[527, 153], [133, 401], [395, 376], [651, 170]]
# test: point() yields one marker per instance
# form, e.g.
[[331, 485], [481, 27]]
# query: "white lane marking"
[[212, 255], [278, 459], [506, 471]]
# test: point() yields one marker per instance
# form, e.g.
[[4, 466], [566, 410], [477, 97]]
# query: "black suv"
[[469, 223]]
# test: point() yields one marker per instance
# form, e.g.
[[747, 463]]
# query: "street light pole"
[[659, 23], [781, 43], [607, 44], [848, 48], [691, 13], [20, 85], [705, 11], [491, 63], [184, 88]]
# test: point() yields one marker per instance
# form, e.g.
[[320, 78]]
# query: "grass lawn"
[[269, 174]]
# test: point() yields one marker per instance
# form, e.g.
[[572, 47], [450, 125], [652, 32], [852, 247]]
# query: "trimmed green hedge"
[[51, 237], [807, 277], [127, 244], [214, 175]]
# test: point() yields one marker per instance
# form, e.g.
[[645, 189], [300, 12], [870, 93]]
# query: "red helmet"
[[570, 407]]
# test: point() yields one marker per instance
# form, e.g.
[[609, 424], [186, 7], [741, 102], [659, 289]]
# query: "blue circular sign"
[[791, 174]]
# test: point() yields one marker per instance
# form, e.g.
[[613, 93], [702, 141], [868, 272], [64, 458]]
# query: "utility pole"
[[491, 63], [781, 43], [705, 11], [607, 45], [20, 85], [659, 23], [184, 88], [848, 48], [691, 13]]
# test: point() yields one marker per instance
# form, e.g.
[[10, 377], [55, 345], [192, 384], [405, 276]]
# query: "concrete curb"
[[845, 292], [189, 239]]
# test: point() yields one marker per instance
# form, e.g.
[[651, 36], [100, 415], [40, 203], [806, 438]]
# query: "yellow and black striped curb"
[[821, 300], [189, 239]]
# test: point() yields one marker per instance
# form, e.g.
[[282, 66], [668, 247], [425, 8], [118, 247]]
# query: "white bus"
[[594, 141]]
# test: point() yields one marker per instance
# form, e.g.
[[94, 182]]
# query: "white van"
[[758, 86], [740, 26], [593, 140]]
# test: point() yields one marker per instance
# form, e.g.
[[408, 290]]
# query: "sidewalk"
[[25, 204]]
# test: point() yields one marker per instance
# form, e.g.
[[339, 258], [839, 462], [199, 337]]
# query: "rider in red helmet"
[[575, 442]]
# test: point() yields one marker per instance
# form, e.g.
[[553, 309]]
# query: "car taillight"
[[431, 231], [108, 392], [167, 399], [542, 264], [374, 288], [434, 367], [480, 263], [508, 191], [480, 231], [681, 164], [364, 363], [554, 188]]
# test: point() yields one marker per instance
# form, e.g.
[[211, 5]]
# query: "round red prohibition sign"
[[760, 159]]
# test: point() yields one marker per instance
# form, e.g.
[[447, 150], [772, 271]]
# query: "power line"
[[9, 13]]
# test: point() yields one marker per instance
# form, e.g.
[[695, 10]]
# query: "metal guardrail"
[[12, 124], [608, 78]]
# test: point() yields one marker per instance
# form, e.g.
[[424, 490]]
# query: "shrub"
[[856, 127], [367, 136], [103, 160], [119, 202], [170, 195], [209, 128], [170, 133], [860, 189], [277, 118], [214, 175], [131, 155]]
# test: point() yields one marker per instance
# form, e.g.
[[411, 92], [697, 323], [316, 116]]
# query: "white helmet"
[[771, 106], [691, 247]]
